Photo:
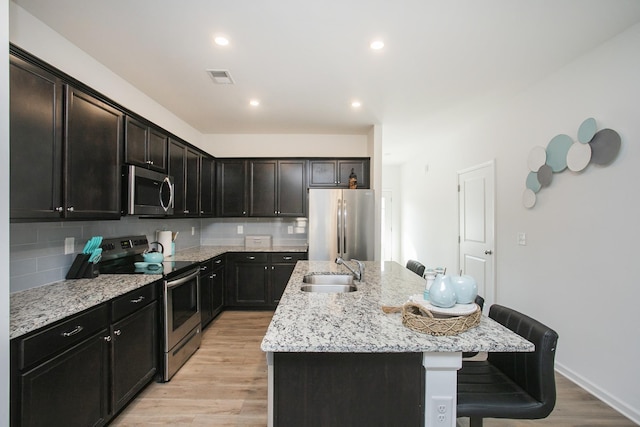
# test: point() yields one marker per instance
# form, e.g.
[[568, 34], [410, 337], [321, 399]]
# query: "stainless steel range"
[[181, 295]]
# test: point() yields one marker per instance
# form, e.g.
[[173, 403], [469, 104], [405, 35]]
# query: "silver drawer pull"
[[203, 268], [117, 332], [251, 257], [137, 300], [107, 338], [287, 258], [72, 332], [218, 261]]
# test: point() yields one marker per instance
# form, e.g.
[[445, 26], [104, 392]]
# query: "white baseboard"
[[632, 413]]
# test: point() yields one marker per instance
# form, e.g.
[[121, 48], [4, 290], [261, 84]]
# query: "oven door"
[[182, 307]]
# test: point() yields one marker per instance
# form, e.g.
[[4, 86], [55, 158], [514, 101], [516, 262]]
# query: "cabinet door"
[[177, 167], [135, 349], [359, 167], [135, 151], [157, 150], [292, 188], [282, 265], [70, 389], [322, 173], [35, 119], [207, 186], [262, 188], [249, 279], [206, 294], [217, 290], [230, 186], [192, 205], [92, 153]]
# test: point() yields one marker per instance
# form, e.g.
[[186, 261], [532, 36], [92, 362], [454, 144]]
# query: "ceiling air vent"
[[221, 77]]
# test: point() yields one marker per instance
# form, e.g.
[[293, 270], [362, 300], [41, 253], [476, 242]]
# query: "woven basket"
[[416, 317]]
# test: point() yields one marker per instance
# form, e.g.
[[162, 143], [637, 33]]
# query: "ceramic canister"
[[442, 293]]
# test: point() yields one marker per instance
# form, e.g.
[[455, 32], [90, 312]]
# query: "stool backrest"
[[533, 371], [416, 266]]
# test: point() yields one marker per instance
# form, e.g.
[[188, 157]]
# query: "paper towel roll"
[[165, 239]]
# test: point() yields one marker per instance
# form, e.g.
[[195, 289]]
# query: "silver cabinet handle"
[[488, 252], [251, 257], [107, 338], [70, 209], [213, 276], [137, 300], [287, 258], [58, 209], [72, 332], [117, 332], [218, 261], [203, 268]]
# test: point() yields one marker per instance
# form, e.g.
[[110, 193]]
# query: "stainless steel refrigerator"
[[341, 224]]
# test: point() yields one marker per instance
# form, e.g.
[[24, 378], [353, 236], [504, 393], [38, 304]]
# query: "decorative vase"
[[466, 289], [442, 293]]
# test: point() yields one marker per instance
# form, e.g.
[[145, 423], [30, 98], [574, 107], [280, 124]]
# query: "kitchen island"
[[337, 359]]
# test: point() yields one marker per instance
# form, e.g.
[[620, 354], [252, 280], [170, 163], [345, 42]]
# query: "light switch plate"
[[240, 229], [522, 238]]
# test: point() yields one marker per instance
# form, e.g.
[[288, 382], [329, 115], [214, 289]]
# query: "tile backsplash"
[[37, 249]]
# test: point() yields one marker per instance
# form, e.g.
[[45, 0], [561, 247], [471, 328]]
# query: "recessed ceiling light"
[[356, 104], [221, 41], [254, 102], [377, 44]]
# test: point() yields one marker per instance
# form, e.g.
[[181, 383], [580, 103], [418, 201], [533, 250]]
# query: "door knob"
[[488, 252]]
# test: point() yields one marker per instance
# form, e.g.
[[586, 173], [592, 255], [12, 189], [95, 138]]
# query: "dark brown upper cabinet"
[[334, 173], [145, 145], [277, 188], [65, 149], [184, 165], [207, 186], [93, 140], [231, 185], [35, 117]]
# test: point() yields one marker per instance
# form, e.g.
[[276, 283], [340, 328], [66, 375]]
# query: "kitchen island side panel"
[[350, 389]]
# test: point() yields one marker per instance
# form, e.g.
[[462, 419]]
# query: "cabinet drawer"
[[132, 301], [252, 257], [288, 257], [56, 338], [206, 267]]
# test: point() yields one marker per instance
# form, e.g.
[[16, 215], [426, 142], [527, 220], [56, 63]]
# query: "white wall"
[[285, 145], [4, 213], [35, 37], [577, 271]]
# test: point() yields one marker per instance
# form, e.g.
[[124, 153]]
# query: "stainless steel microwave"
[[148, 193]]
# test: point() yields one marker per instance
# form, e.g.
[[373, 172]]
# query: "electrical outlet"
[[193, 231], [522, 238], [69, 245], [441, 410], [240, 229]]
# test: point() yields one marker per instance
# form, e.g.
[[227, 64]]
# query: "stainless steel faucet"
[[359, 275]]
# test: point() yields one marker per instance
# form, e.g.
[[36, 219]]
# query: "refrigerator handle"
[[339, 213], [344, 229]]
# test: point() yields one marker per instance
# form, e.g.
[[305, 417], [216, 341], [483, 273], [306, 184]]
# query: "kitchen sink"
[[328, 279], [329, 288]]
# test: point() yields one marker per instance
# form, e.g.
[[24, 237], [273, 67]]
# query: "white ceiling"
[[307, 60]]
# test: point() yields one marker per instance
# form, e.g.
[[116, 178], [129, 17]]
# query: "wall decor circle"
[[593, 146]]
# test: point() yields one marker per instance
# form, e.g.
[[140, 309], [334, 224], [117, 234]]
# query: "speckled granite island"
[[337, 359]]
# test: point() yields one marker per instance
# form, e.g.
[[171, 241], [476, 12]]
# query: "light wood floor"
[[225, 384]]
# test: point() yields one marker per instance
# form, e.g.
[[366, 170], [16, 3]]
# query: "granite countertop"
[[354, 322], [37, 307]]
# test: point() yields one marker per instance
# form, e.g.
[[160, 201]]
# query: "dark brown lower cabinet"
[[258, 279], [348, 389], [135, 355], [70, 389], [211, 289], [84, 369]]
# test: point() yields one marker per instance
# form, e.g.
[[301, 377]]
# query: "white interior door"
[[476, 204]]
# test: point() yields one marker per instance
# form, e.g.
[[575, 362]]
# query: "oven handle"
[[170, 284]]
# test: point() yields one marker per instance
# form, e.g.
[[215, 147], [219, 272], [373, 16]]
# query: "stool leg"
[[475, 422]]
